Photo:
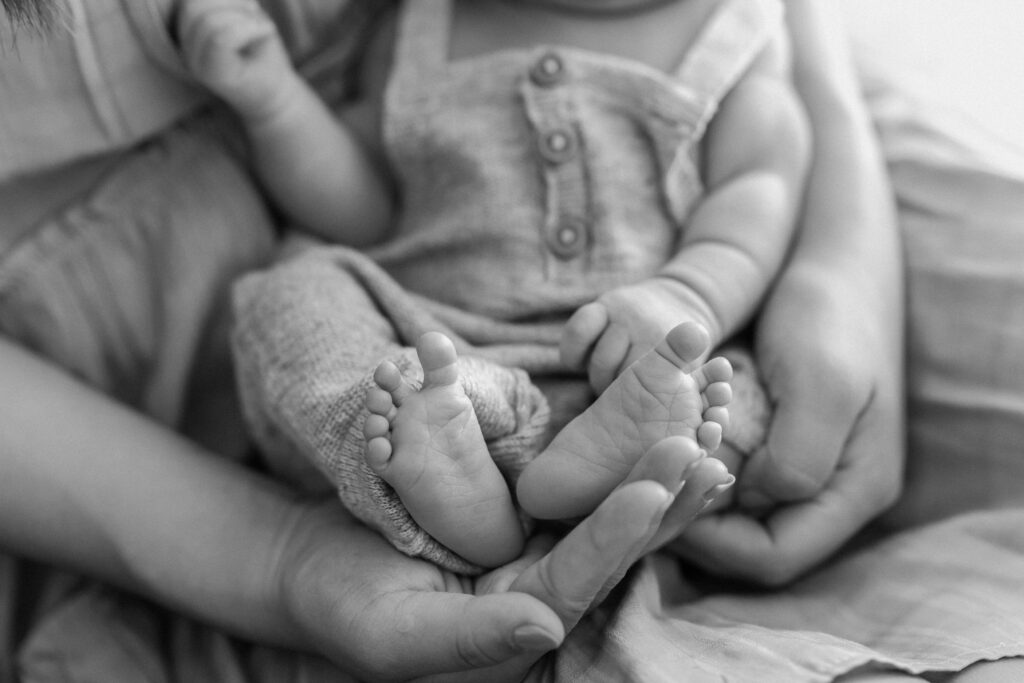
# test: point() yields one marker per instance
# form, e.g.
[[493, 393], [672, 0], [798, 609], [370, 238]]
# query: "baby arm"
[[757, 152], [313, 166]]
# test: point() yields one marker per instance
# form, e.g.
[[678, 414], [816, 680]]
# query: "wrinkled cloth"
[[69, 93], [98, 635], [935, 599], [117, 249], [107, 74], [125, 286], [500, 238]]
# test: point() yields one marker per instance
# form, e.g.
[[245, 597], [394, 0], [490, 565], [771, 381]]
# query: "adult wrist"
[[224, 568], [295, 569]]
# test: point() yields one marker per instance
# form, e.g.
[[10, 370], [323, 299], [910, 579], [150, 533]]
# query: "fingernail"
[[533, 638], [718, 489], [669, 499]]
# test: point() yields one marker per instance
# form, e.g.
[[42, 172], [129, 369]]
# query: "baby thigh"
[[307, 337]]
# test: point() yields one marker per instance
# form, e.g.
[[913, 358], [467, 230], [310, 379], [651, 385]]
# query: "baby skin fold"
[[427, 444]]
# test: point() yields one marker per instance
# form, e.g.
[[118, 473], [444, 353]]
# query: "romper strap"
[[421, 40], [727, 45]]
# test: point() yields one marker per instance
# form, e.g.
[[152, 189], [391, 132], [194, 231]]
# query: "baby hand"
[[607, 335], [233, 48]]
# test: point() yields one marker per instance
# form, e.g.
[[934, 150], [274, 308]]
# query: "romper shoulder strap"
[[421, 40], [727, 45]]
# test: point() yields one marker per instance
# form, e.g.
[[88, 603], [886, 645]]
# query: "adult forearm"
[[90, 485], [849, 219]]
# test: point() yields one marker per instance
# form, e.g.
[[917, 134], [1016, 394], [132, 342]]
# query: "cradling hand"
[[833, 458], [382, 615]]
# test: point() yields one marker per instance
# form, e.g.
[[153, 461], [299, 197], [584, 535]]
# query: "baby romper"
[[531, 181]]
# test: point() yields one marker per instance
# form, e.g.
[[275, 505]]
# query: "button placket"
[[550, 110], [567, 192], [568, 237], [558, 146]]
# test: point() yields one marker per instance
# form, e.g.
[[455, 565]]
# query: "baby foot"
[[664, 393], [428, 446]]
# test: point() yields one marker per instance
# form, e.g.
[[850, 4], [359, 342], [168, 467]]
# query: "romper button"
[[548, 70], [568, 240], [558, 146], [567, 236]]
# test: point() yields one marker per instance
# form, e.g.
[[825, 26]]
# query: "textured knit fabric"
[[327, 343], [523, 197]]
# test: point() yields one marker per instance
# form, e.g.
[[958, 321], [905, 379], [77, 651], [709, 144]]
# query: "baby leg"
[[667, 392], [428, 446]]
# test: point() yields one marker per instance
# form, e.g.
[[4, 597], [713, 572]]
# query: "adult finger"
[[795, 537], [435, 633], [682, 467], [592, 558], [770, 551], [733, 460], [808, 432], [668, 462], [500, 580], [706, 480]]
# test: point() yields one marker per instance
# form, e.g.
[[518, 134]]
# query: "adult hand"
[[833, 457], [382, 615], [154, 513], [829, 344]]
